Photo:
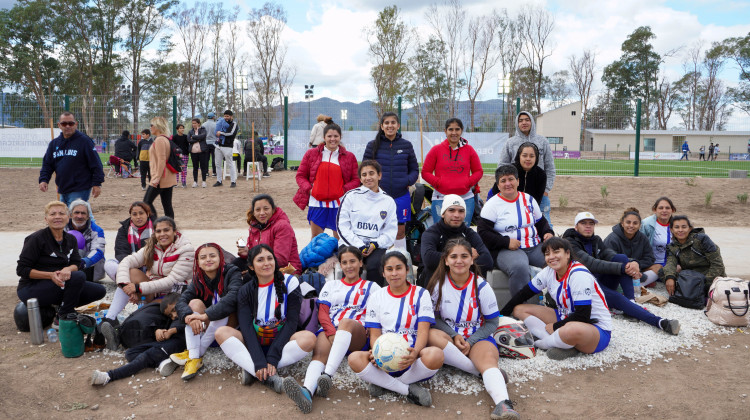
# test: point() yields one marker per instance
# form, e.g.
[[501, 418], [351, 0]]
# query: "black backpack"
[[690, 290], [174, 163], [140, 327]]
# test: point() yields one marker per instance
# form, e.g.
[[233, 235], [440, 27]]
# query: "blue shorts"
[[323, 216], [604, 337], [403, 208]]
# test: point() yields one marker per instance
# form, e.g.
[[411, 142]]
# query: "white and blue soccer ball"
[[389, 350]]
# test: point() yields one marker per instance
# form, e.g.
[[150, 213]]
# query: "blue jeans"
[[546, 206], [438, 204], [622, 301], [75, 195]]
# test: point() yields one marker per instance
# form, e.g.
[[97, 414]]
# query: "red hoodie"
[[279, 235], [452, 171]]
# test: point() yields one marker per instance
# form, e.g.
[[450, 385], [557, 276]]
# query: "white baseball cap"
[[452, 200], [585, 215]]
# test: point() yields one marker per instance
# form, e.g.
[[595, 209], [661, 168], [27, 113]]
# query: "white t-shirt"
[[267, 302], [347, 300], [662, 237], [400, 314], [577, 287], [466, 309], [515, 218]]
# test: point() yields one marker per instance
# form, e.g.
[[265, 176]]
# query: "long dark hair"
[[250, 215], [148, 250], [438, 277], [199, 276], [381, 134], [278, 276], [354, 251], [388, 255]]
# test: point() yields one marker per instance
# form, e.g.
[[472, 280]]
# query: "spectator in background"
[[702, 153], [316, 134], [210, 126], [162, 179], [526, 132], [711, 151], [181, 140], [92, 252], [226, 131], [198, 151], [72, 157], [143, 156], [125, 149], [685, 150], [259, 154], [716, 151]]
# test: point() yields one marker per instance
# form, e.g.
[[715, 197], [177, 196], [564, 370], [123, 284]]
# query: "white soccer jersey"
[[466, 309], [366, 216], [662, 238], [515, 218], [267, 302], [400, 314], [347, 300], [576, 287]]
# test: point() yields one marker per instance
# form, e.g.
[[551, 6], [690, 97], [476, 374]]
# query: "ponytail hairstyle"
[[278, 276], [199, 276], [630, 211], [381, 134], [352, 250], [438, 277], [148, 250]]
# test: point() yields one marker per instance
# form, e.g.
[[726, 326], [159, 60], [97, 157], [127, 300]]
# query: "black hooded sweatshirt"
[[532, 182]]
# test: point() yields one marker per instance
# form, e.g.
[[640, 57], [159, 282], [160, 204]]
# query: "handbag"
[[196, 148], [728, 302], [689, 290]]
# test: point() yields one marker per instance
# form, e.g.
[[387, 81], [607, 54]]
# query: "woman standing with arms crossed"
[[400, 168], [452, 167], [162, 179], [198, 151]]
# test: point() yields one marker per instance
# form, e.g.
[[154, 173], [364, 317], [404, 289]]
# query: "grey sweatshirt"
[[546, 161]]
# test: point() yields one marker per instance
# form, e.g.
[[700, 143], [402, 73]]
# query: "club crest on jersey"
[[372, 313], [587, 291], [383, 214]]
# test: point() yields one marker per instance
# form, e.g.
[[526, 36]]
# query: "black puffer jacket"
[[637, 249], [226, 306], [598, 261]]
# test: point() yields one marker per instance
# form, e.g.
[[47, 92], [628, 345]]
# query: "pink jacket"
[[279, 235], [452, 171], [308, 168]]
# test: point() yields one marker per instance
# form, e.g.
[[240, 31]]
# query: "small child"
[[146, 353]]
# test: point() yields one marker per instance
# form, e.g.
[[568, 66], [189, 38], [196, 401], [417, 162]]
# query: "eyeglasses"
[[67, 123]]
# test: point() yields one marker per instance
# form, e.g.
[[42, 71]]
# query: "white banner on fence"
[[487, 145], [657, 155], [25, 142]]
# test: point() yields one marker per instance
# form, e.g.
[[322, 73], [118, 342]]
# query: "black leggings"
[[147, 355], [211, 149], [200, 159], [77, 292], [145, 172], [166, 199]]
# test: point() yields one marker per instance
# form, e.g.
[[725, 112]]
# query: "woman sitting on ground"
[[580, 322], [367, 219], [167, 259], [691, 249], [626, 238], [466, 316], [512, 226], [49, 266], [656, 229], [268, 314], [131, 236], [270, 225]]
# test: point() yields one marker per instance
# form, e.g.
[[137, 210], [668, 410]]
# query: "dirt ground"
[[37, 382]]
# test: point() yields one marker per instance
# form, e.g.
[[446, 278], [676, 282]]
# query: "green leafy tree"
[[429, 88], [738, 50]]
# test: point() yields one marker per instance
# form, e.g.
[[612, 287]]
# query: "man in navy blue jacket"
[[75, 162]]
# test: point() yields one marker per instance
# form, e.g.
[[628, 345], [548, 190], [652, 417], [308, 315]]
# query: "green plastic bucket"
[[71, 338]]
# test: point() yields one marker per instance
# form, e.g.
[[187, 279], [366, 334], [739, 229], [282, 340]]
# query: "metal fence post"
[[67, 103], [2, 112], [286, 129], [605, 151], [637, 136], [399, 114], [174, 115], [629, 150]]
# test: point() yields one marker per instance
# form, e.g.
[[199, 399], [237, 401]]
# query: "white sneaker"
[[195, 185], [203, 184], [99, 378], [167, 367]]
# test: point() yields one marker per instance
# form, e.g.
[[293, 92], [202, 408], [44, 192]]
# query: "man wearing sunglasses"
[[73, 158]]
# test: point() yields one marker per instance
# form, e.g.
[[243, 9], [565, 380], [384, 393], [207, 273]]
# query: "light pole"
[[503, 83], [241, 84], [343, 118], [308, 98], [124, 91]]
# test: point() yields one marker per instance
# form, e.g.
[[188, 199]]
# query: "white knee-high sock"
[[648, 277], [417, 372], [314, 369], [119, 301], [400, 243], [375, 376], [536, 326], [237, 352], [207, 338], [552, 340], [341, 342], [494, 383], [454, 357], [192, 342], [291, 353]]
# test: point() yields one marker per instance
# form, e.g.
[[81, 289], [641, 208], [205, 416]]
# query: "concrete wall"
[[562, 122], [665, 142]]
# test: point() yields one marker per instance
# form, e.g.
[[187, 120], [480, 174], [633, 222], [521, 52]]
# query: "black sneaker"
[[247, 378], [419, 395], [561, 354], [325, 383], [504, 411], [218, 184], [375, 390], [233, 185], [670, 326], [266, 175], [275, 382], [110, 335]]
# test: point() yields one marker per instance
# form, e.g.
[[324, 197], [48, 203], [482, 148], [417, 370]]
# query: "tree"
[[161, 80], [216, 18], [526, 84], [481, 57], [232, 50], [558, 89], [191, 25], [447, 23], [583, 70], [510, 42], [738, 50], [610, 112], [429, 85], [390, 41], [537, 25], [667, 100], [705, 103]]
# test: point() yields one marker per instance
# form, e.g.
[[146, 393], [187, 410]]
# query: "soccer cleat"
[[419, 395], [325, 383], [233, 185], [167, 367], [559, 354], [180, 358], [300, 395], [218, 184], [670, 326], [375, 390], [504, 411], [191, 368], [275, 382], [247, 378], [110, 335], [99, 378]]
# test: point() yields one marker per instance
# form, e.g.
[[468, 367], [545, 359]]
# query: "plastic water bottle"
[[142, 303], [52, 335], [541, 300], [637, 287]]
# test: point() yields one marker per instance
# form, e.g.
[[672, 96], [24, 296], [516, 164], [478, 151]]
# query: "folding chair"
[[256, 171]]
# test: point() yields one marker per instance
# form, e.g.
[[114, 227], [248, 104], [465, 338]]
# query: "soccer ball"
[[513, 339], [388, 351]]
